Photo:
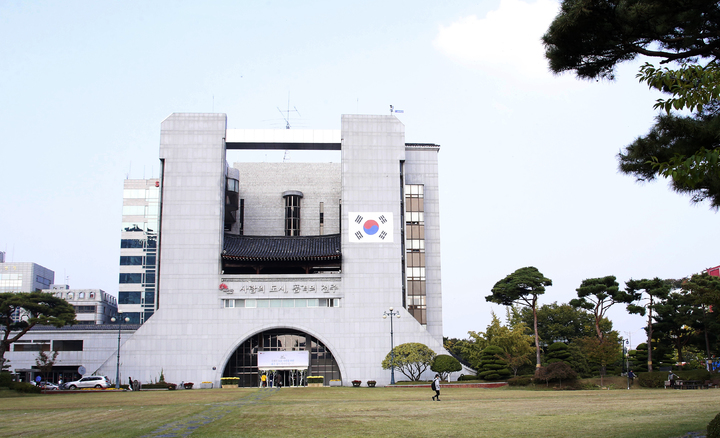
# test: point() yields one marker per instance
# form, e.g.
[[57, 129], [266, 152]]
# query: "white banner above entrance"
[[283, 360]]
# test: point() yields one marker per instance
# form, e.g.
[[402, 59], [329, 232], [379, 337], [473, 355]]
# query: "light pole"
[[117, 367], [390, 313]]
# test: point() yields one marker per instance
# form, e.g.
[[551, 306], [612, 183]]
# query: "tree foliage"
[[556, 371], [34, 308], [513, 341], [522, 287], [445, 364], [411, 359], [602, 352], [590, 37], [561, 322], [598, 295]]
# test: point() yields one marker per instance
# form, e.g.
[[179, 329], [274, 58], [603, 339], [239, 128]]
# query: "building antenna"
[[286, 114]]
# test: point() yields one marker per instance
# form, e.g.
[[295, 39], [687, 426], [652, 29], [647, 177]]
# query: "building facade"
[[289, 257], [24, 277], [92, 306], [137, 291]]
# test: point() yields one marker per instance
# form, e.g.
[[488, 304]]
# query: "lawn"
[[350, 412]]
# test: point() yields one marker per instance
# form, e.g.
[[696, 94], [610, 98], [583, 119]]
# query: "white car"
[[90, 382]]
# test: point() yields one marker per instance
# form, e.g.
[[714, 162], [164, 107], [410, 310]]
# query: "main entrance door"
[[243, 363]]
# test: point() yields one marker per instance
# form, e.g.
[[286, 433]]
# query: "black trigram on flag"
[[358, 219]]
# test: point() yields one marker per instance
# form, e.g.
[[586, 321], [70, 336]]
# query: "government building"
[[285, 269]]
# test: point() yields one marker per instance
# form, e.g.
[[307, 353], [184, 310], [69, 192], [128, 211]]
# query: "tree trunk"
[[537, 338], [649, 342]]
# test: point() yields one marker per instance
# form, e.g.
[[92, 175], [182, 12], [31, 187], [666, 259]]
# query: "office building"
[[137, 291]]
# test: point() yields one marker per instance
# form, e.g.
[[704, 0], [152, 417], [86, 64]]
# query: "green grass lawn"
[[352, 412]]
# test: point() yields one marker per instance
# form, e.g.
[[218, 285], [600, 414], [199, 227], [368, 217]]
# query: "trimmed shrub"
[[713, 428], [25, 387], [701, 375], [491, 368], [656, 379], [519, 381], [5, 379], [467, 377]]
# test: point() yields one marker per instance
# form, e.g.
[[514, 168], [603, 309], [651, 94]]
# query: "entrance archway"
[[243, 363]]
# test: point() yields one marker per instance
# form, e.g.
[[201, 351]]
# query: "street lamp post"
[[390, 313], [117, 367]]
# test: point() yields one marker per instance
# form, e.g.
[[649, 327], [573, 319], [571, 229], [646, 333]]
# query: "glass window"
[[85, 309], [250, 303], [129, 297], [263, 303], [131, 260], [150, 277], [70, 296], [133, 210], [275, 303], [292, 215], [229, 303], [68, 345], [149, 297], [130, 278], [131, 243], [288, 303], [301, 303]]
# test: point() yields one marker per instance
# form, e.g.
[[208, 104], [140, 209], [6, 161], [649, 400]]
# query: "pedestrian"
[[130, 384], [436, 387], [263, 378], [631, 377]]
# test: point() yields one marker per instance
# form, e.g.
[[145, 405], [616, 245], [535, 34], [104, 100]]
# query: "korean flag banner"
[[370, 227]]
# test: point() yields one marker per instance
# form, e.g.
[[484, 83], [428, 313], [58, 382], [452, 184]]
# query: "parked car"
[[48, 386], [90, 382]]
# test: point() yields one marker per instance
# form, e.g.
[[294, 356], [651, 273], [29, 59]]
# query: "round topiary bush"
[[713, 429]]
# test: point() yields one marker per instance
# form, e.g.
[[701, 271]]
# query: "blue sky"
[[528, 167]]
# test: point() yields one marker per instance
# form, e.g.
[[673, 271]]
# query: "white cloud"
[[506, 41]]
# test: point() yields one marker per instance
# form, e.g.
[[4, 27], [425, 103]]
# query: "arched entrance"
[[243, 363]]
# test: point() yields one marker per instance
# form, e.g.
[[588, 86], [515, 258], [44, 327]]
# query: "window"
[[85, 309], [292, 212], [131, 243], [130, 278], [415, 251], [129, 297], [131, 260], [68, 345], [81, 295]]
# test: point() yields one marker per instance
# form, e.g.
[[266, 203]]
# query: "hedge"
[[713, 429]]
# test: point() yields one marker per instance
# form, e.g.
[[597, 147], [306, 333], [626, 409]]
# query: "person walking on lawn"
[[436, 387]]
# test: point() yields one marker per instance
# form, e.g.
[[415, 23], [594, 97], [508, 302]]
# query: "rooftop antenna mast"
[[286, 114]]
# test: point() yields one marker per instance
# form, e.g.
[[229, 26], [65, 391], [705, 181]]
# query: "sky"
[[528, 167]]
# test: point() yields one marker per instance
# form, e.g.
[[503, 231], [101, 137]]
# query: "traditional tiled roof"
[[281, 248]]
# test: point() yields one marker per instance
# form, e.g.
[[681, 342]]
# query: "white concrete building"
[[257, 260], [92, 306]]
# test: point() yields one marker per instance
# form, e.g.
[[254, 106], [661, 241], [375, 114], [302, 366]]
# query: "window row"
[[71, 295], [150, 193], [85, 309], [148, 260], [141, 210], [150, 243], [310, 302], [65, 345], [415, 217], [414, 204], [135, 297], [137, 278], [149, 226], [415, 259]]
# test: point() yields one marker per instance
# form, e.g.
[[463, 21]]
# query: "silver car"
[[90, 382]]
